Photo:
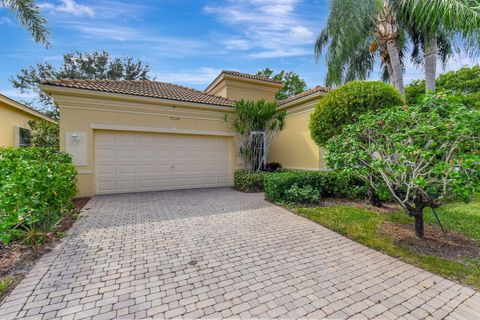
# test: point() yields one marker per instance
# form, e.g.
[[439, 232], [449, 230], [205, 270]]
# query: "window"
[[24, 137]]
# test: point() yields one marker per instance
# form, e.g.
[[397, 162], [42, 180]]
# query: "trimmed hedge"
[[343, 105], [311, 186], [249, 181], [37, 186]]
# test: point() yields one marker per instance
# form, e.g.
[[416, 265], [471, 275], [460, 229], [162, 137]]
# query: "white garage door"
[[135, 162]]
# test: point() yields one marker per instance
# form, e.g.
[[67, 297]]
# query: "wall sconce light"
[[75, 138]]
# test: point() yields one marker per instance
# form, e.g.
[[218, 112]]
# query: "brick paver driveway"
[[218, 253]]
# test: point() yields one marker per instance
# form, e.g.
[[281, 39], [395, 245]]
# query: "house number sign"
[[174, 118]]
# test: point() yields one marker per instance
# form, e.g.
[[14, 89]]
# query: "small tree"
[[251, 118], [77, 65], [424, 154], [292, 83], [343, 105], [44, 133]]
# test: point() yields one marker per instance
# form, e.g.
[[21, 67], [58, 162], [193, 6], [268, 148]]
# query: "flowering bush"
[[423, 155]]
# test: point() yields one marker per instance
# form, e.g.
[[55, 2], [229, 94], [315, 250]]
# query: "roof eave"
[[223, 76], [53, 89], [310, 97], [19, 106]]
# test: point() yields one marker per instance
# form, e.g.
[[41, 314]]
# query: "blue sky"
[[185, 42]]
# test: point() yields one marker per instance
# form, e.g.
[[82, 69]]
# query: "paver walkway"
[[217, 253]]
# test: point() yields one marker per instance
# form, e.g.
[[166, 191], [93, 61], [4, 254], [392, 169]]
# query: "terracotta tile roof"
[[250, 76], [304, 94], [145, 88], [242, 75]]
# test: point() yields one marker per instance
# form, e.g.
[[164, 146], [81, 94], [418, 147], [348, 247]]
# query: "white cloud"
[[202, 76], [5, 20], [271, 28], [69, 7], [280, 53], [239, 44], [15, 94], [118, 32]]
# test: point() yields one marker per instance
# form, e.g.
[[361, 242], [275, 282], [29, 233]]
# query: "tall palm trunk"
[[390, 73], [396, 65], [387, 31], [388, 65], [430, 63]]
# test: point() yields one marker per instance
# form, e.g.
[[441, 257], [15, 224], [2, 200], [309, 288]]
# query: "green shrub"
[[306, 194], [415, 91], [464, 82], [425, 154], [343, 105], [249, 181], [278, 186], [37, 186]]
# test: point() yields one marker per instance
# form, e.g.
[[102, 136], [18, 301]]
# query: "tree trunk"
[[419, 229], [390, 74], [374, 199], [396, 66], [430, 63]]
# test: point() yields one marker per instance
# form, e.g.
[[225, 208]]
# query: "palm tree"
[[423, 55], [437, 22], [28, 14], [352, 27]]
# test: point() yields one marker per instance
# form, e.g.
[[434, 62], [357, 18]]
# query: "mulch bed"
[[452, 246], [17, 259]]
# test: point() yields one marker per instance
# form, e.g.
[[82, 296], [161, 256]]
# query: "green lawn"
[[363, 226]]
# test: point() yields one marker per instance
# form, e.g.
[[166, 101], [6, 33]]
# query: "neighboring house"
[[133, 136], [14, 117]]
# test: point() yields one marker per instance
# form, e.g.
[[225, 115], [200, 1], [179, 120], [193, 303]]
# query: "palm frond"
[[454, 15], [27, 12], [349, 28]]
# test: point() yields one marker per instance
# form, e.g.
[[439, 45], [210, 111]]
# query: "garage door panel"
[[147, 184], [164, 182], [196, 168], [105, 140], [196, 154], [146, 169], [127, 153], [223, 180], [130, 162], [146, 154], [106, 186], [128, 139], [127, 184], [106, 169], [127, 169], [222, 168], [106, 153], [164, 168]]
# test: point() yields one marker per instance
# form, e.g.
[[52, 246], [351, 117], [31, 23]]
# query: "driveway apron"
[[218, 253]]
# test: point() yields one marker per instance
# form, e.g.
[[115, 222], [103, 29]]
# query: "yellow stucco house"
[[133, 136], [14, 117]]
